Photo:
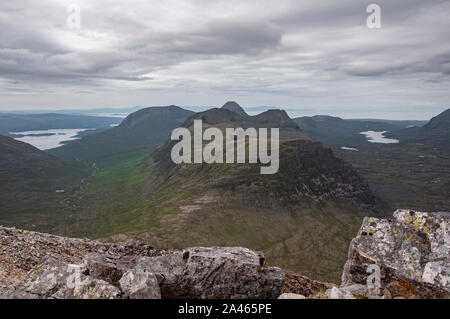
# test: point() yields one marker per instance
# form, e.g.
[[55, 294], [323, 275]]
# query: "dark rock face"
[[311, 172], [215, 273], [411, 251]]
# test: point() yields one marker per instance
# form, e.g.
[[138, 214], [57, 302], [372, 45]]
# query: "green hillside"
[[414, 173], [335, 131], [30, 179], [141, 130], [303, 217]]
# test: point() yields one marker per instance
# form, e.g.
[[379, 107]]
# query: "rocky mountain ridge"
[[410, 251]]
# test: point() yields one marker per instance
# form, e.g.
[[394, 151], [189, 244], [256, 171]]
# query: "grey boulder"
[[138, 283], [216, 272]]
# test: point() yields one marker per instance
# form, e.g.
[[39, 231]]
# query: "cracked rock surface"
[[411, 252]]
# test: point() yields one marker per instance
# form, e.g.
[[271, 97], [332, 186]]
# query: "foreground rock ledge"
[[404, 257], [411, 252], [215, 272]]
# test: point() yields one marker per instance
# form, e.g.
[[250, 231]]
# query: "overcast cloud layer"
[[313, 57]]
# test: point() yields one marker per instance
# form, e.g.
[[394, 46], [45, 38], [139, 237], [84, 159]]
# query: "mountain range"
[[13, 122], [123, 184], [144, 129]]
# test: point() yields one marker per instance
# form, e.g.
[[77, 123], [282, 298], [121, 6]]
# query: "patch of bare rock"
[[403, 257], [89, 270]]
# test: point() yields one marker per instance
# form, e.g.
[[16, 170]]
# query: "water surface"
[[378, 137], [47, 139]]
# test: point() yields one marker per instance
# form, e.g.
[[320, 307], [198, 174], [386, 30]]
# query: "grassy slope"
[[142, 130], [130, 196], [335, 131], [405, 175], [29, 179]]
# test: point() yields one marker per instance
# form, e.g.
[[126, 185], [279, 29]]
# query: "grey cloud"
[[292, 53]]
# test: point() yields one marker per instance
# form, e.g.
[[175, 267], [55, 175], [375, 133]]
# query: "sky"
[[308, 57]]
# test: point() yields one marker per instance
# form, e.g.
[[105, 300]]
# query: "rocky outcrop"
[[21, 250], [302, 285], [218, 272], [406, 257], [61, 267], [58, 280], [139, 283]]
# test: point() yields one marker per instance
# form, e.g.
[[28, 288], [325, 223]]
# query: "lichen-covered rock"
[[217, 272], [58, 280], [291, 296], [21, 250], [302, 285], [411, 251], [109, 267], [138, 283]]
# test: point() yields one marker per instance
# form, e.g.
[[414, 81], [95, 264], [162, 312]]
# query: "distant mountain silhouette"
[[234, 107], [10, 122], [141, 130]]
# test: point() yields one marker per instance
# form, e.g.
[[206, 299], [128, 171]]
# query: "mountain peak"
[[234, 107]]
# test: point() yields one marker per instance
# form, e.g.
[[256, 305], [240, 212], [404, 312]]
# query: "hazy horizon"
[[417, 115], [308, 58]]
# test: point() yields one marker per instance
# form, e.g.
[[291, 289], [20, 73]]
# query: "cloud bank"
[[301, 55]]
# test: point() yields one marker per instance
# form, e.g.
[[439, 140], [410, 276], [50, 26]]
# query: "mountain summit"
[[234, 107]]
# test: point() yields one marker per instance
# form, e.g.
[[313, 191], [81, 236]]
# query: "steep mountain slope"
[[303, 217], [307, 170], [141, 130], [436, 132], [234, 107], [28, 122], [30, 178]]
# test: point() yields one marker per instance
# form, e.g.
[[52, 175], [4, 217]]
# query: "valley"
[[302, 218]]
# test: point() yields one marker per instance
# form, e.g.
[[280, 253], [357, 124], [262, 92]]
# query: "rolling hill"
[[141, 130], [12, 122], [334, 131], [414, 173], [30, 179]]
